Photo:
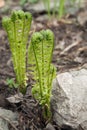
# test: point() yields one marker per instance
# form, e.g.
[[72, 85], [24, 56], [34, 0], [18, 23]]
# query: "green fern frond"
[[17, 28], [40, 57]]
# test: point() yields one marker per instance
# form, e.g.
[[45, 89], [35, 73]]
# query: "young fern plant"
[[40, 56], [17, 28]]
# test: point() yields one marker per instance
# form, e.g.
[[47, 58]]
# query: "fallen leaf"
[[15, 98]]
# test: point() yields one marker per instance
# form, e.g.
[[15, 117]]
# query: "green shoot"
[[40, 67], [47, 7], [17, 28], [11, 83], [61, 8], [58, 7], [55, 8]]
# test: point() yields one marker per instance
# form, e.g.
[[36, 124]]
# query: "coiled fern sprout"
[[17, 28], [40, 56]]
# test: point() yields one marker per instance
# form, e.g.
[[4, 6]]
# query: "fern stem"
[[38, 71], [53, 70], [23, 55], [42, 66], [61, 8], [54, 8], [15, 51], [48, 81]]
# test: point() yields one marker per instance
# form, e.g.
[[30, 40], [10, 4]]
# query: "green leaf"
[[11, 83]]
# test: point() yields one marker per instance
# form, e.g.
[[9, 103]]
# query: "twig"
[[6, 119], [70, 46]]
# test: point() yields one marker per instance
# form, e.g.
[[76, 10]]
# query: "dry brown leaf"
[[65, 21], [15, 98]]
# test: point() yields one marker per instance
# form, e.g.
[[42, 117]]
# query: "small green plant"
[[58, 9], [11, 83], [61, 8], [17, 28], [40, 67]]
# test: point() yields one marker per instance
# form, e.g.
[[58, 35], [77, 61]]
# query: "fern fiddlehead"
[[40, 56], [17, 28]]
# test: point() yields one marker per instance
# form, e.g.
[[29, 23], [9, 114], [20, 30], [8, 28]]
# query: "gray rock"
[[49, 127], [7, 117], [69, 99], [83, 125]]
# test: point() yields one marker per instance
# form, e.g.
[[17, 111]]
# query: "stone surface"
[[69, 100], [83, 125], [49, 127], [7, 116]]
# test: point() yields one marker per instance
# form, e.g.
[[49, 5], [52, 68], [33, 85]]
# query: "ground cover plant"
[[39, 56]]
